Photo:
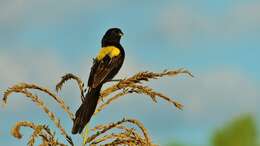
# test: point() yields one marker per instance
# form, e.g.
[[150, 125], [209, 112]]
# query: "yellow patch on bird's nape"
[[111, 51]]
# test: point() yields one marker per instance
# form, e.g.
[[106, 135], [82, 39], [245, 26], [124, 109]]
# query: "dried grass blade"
[[70, 76], [24, 86], [41, 104]]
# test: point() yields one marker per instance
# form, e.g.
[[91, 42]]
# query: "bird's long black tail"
[[86, 110]]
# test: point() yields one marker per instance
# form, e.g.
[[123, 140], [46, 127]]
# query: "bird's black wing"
[[104, 70]]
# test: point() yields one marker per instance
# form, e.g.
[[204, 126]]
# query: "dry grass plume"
[[124, 132]]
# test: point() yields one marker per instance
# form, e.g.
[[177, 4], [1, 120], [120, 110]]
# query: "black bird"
[[105, 66]]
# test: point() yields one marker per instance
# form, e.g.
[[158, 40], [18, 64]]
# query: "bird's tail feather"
[[86, 110]]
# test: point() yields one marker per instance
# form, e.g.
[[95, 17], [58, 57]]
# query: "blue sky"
[[218, 41]]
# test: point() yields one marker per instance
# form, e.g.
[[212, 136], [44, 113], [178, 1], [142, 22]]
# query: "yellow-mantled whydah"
[[105, 66]]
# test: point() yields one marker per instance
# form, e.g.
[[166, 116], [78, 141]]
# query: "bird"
[[105, 66]]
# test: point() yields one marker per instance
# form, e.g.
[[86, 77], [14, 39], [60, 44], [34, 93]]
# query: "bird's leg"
[[115, 80], [117, 85]]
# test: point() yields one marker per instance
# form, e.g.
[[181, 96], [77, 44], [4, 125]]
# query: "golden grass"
[[21, 88], [39, 131], [24, 86], [70, 76], [122, 132], [125, 135]]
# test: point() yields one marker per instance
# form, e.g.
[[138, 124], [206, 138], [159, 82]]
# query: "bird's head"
[[113, 35]]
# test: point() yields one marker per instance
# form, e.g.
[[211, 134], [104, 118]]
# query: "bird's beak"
[[121, 34]]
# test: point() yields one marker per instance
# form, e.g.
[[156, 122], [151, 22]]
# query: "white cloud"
[[217, 95], [21, 66], [11, 11], [43, 68], [44, 12], [185, 23], [18, 17]]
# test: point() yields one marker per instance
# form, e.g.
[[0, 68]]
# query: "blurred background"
[[218, 41]]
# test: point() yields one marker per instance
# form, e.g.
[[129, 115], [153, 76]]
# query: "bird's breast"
[[111, 51]]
